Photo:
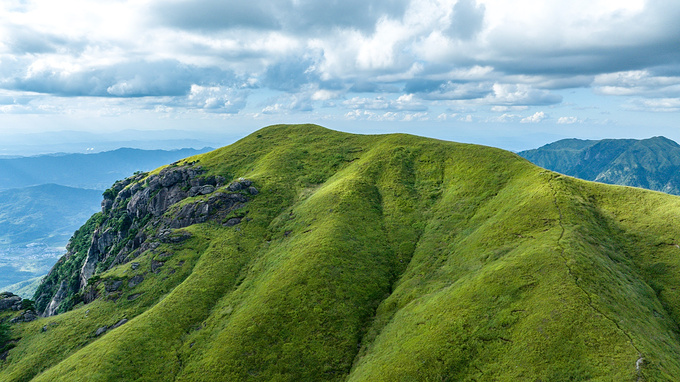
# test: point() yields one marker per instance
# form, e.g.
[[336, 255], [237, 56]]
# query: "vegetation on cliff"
[[369, 258]]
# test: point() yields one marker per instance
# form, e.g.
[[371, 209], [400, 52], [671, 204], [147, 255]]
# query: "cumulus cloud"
[[656, 105], [466, 19], [405, 102], [567, 120], [210, 15], [520, 94], [637, 83], [217, 99], [411, 55], [131, 79], [449, 90], [286, 15], [535, 118]]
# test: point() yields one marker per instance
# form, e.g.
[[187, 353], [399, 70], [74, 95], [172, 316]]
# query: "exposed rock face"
[[9, 301], [138, 214], [51, 309]]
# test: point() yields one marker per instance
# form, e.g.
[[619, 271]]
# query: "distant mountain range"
[[652, 163], [94, 171], [48, 213]]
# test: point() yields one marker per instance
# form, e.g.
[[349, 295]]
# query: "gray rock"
[[119, 323], [153, 182], [253, 191], [136, 280], [9, 301], [134, 266], [194, 191], [58, 297], [106, 205], [101, 331], [173, 237], [232, 222], [234, 186], [156, 266], [207, 189], [26, 316], [113, 286]]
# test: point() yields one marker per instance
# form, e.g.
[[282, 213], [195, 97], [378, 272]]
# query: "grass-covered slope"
[[386, 258]]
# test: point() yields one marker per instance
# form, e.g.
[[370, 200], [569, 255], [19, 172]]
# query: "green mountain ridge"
[[361, 258], [652, 163]]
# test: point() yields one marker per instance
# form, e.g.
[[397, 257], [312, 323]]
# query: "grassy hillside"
[[384, 258], [652, 163]]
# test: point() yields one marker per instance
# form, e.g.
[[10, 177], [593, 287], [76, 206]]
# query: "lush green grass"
[[394, 258]]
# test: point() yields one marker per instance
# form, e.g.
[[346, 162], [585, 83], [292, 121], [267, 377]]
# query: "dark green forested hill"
[[304, 254], [652, 163]]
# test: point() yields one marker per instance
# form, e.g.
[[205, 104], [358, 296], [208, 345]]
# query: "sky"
[[511, 74]]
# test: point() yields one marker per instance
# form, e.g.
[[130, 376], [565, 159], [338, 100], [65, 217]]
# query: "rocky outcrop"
[[9, 301], [26, 316], [139, 214]]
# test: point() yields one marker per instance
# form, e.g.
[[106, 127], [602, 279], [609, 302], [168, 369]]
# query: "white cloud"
[[217, 98], [520, 94], [567, 120], [506, 117], [535, 118], [656, 105], [405, 102], [504, 109], [429, 54], [637, 83]]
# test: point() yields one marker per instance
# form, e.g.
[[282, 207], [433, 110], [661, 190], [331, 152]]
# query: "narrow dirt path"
[[640, 361]]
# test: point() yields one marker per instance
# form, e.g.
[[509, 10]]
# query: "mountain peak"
[[360, 258]]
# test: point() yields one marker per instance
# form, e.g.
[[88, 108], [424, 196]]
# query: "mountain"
[[35, 224], [652, 163], [95, 171], [304, 254], [25, 289], [47, 214]]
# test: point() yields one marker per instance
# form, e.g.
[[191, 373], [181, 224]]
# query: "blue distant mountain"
[[652, 163], [94, 171]]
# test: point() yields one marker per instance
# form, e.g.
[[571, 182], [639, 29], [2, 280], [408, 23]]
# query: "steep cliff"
[[138, 214]]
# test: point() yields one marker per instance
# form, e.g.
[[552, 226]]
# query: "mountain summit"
[[652, 163], [304, 254]]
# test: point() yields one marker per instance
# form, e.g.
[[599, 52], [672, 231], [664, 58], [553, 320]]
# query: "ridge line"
[[640, 361]]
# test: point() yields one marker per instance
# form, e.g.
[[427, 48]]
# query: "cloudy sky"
[[513, 74]]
